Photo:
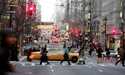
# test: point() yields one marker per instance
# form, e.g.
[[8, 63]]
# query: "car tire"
[[74, 59], [83, 62]]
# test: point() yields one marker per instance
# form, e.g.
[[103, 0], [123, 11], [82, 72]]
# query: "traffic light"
[[31, 9], [113, 31]]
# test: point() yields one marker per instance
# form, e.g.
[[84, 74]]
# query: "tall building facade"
[[110, 9], [75, 13], [8, 13], [60, 10], [108, 14]]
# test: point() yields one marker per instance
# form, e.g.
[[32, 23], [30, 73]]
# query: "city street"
[[88, 69], [88, 34]]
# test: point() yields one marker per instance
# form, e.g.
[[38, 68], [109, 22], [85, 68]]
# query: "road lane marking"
[[100, 70], [89, 66], [29, 73], [33, 64], [102, 65], [23, 64], [51, 67], [52, 70]]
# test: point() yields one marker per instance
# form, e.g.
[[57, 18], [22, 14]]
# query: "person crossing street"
[[66, 54], [44, 57], [121, 59]]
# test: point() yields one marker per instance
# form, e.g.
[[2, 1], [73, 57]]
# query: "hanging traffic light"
[[113, 31], [31, 9]]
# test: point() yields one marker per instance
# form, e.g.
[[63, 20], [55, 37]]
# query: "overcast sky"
[[48, 8]]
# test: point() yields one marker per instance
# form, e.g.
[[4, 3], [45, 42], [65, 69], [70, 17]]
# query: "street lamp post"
[[12, 12], [105, 23], [122, 16], [122, 30], [122, 36], [11, 15]]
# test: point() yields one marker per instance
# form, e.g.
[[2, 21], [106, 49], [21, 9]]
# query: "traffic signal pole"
[[105, 23], [11, 15], [122, 24]]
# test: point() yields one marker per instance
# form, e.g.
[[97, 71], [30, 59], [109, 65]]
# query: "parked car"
[[113, 53]]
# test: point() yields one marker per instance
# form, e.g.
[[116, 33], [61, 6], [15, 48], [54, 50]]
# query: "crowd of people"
[[107, 57], [9, 51]]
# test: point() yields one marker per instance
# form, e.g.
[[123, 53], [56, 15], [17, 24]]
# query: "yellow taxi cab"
[[56, 55]]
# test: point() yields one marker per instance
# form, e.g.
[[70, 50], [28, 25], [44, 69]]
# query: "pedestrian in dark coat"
[[14, 54], [28, 54], [99, 54], [44, 57], [7, 40], [91, 49], [107, 52], [121, 53]]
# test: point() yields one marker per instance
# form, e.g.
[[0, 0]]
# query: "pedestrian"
[[121, 54], [108, 58], [99, 54], [44, 57], [66, 54], [7, 41], [28, 54], [91, 49], [14, 54]]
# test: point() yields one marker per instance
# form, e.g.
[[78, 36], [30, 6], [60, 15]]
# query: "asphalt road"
[[90, 68], [56, 69]]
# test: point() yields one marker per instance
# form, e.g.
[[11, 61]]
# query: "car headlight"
[[31, 57]]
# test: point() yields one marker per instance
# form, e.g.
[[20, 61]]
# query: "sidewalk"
[[93, 61]]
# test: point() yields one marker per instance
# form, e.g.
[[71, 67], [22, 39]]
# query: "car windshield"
[[52, 48], [112, 51], [28, 46]]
